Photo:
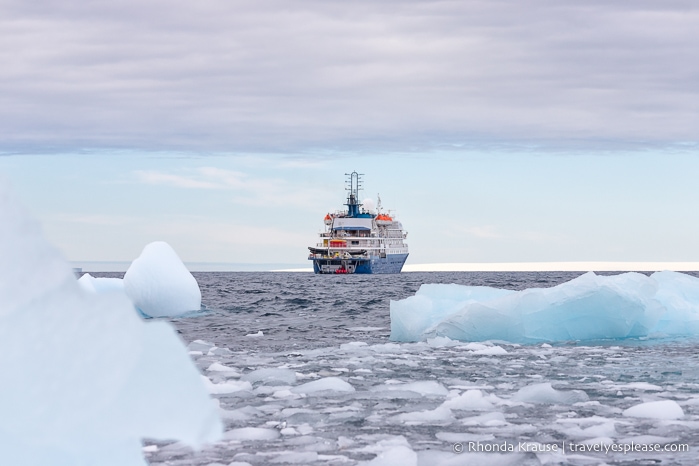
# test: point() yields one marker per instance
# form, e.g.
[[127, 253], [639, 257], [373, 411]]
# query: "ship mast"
[[353, 185]]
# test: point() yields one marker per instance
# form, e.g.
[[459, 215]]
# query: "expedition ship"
[[358, 240]]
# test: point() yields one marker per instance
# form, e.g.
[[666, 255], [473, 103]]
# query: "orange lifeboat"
[[383, 219], [328, 219]]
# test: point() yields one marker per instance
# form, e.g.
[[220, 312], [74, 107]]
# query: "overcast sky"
[[123, 122]]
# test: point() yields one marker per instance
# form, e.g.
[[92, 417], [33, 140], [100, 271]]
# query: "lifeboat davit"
[[328, 219]]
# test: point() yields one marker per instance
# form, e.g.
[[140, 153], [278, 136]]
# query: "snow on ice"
[[590, 307], [84, 379]]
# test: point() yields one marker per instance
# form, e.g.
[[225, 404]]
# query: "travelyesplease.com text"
[[564, 447]]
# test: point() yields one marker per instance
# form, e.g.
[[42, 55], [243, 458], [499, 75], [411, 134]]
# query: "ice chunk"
[[462, 437], [393, 451], [218, 367], [226, 387], [545, 393], [251, 433], [423, 387], [440, 415], [84, 378], [471, 400], [599, 427], [664, 409], [271, 376], [290, 457], [493, 419], [394, 456], [200, 345], [588, 307], [159, 284], [101, 285], [327, 384], [491, 351]]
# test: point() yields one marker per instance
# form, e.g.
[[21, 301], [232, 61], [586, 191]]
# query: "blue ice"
[[589, 307]]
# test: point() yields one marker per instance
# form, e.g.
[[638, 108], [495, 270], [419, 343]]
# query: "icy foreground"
[[422, 404], [590, 307], [84, 379], [159, 284]]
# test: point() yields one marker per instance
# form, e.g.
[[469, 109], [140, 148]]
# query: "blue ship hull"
[[392, 263]]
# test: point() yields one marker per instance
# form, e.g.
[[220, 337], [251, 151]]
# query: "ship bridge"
[[352, 223]]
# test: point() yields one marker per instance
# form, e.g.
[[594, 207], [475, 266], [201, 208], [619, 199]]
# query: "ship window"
[[355, 242]]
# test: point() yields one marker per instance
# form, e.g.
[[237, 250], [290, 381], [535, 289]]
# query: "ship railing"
[[337, 255]]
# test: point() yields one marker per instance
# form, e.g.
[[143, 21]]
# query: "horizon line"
[[571, 266], [563, 266]]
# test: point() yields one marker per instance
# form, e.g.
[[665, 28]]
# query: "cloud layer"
[[310, 75]]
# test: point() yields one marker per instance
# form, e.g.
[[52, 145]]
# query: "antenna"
[[353, 184]]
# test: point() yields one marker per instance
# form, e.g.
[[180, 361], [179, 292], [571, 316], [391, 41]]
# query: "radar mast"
[[353, 185]]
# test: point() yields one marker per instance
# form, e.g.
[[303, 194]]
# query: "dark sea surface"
[[335, 329], [312, 311]]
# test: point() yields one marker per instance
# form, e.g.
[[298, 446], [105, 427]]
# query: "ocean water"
[[263, 336]]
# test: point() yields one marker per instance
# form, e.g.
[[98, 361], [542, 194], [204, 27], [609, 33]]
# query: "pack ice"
[[84, 379], [589, 307]]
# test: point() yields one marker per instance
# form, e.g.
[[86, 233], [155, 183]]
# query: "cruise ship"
[[358, 240]]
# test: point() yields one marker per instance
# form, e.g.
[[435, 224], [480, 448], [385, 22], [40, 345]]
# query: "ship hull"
[[392, 263]]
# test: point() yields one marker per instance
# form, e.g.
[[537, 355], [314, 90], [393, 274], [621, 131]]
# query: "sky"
[[498, 131]]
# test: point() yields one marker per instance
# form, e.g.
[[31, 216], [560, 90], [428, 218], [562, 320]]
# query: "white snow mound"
[[589, 307], [84, 378], [159, 284]]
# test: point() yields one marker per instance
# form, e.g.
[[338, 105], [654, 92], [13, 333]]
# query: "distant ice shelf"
[[590, 307], [599, 266]]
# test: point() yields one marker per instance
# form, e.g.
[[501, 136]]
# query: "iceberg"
[[84, 378], [589, 307], [159, 284]]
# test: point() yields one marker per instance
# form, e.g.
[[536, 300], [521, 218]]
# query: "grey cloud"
[[397, 75]]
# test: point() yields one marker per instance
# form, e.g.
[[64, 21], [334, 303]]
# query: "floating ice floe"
[[326, 385], [84, 378], [470, 400], [589, 307], [545, 393], [271, 376], [159, 284], [664, 409]]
